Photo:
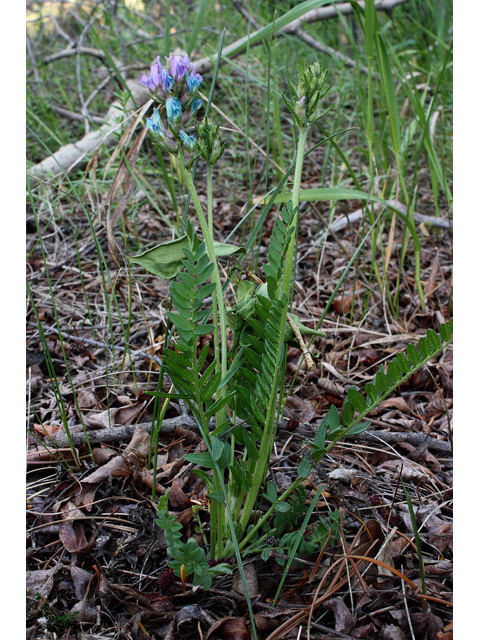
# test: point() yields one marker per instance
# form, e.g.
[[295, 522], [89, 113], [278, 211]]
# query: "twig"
[[85, 113], [76, 116], [355, 216], [33, 62], [115, 434], [86, 51], [60, 31], [332, 11], [315, 44]]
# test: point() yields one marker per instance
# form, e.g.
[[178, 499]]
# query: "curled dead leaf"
[[177, 499], [251, 578], [344, 620], [342, 475]]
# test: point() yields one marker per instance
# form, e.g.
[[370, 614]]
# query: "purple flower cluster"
[[177, 79], [175, 86]]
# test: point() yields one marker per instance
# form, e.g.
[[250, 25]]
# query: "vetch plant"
[[236, 396]]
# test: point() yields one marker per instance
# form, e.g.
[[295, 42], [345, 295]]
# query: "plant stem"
[[216, 340], [217, 511], [295, 200], [211, 254]]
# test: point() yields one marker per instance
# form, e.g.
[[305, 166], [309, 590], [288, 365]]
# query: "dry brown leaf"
[[177, 499], [47, 430], [344, 620], [117, 467], [235, 629], [86, 614], [40, 582], [447, 633], [86, 399], [72, 537], [81, 580], [146, 476], [409, 472], [396, 403], [251, 578], [232, 628], [41, 456], [188, 436], [347, 476], [188, 618], [365, 631], [127, 415], [103, 420], [392, 632], [102, 455], [138, 447]]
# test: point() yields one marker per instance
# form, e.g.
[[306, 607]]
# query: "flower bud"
[[174, 112], [209, 139], [305, 106]]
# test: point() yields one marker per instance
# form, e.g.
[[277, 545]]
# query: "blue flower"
[[174, 110], [155, 124], [167, 81], [193, 81], [196, 104], [178, 66], [190, 142]]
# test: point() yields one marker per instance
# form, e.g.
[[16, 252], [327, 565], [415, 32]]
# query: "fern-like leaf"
[[190, 319], [398, 371]]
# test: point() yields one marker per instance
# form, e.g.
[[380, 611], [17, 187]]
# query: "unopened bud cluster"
[[210, 141], [305, 107]]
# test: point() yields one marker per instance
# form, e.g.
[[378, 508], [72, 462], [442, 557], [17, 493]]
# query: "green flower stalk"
[[306, 109]]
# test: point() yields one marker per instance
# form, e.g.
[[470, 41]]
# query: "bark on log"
[[306, 430]]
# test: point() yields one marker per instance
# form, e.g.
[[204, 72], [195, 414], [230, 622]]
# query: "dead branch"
[[355, 216], [305, 430], [71, 154], [315, 44]]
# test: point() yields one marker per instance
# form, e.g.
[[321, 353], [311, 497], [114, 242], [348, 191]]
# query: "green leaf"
[[424, 348], [217, 495], [331, 420], [358, 401], [403, 363], [282, 507], [217, 448], [164, 260], [205, 477], [348, 413], [371, 391], [221, 249], [217, 405], [445, 332], [203, 459], [271, 492], [303, 470], [433, 339], [320, 436], [393, 371], [360, 427], [203, 329], [413, 355], [382, 383]]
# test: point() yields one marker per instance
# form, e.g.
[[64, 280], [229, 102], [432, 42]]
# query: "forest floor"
[[97, 566]]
